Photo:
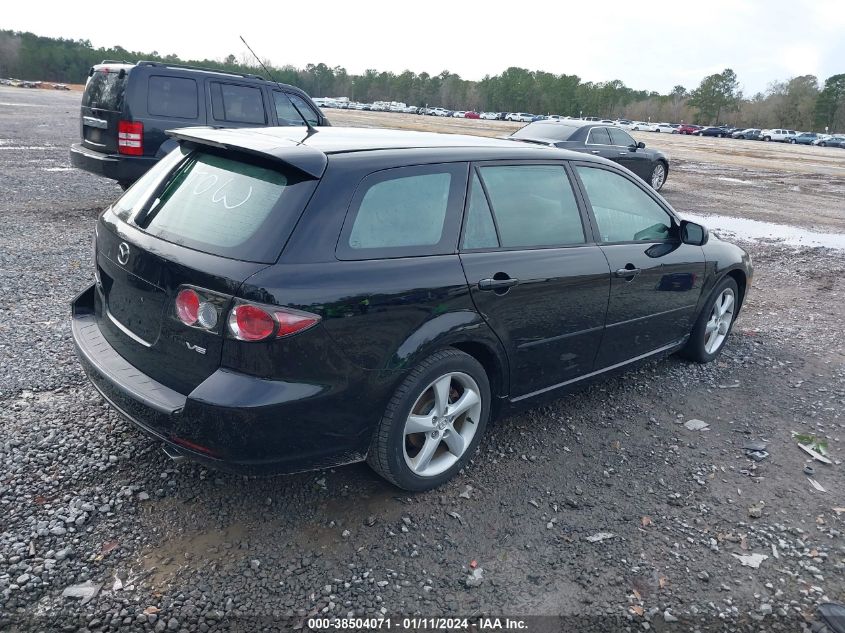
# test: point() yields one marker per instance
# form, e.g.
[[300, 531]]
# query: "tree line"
[[801, 103]]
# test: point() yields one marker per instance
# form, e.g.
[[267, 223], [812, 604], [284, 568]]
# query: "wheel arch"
[[465, 331], [741, 280]]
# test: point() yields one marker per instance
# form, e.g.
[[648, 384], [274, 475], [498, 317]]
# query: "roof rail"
[[210, 70], [115, 61]]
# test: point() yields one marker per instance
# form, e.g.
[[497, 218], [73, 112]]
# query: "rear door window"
[[172, 97], [405, 212], [599, 136], [533, 205], [105, 90], [237, 104], [242, 209], [479, 227]]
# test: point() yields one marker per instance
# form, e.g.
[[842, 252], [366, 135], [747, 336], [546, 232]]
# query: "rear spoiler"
[[290, 152]]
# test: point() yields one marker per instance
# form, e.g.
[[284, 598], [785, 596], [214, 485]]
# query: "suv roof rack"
[[115, 61], [210, 70]]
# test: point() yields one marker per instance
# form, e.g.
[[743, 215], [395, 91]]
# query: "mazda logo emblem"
[[123, 253]]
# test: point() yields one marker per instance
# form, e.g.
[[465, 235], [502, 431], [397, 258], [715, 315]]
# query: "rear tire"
[[714, 323], [428, 433], [700, 134]]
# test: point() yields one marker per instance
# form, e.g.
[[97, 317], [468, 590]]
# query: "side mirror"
[[640, 145], [694, 234]]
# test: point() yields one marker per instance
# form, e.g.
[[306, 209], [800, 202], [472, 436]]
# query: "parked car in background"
[[643, 126], [688, 128], [597, 139], [750, 133], [719, 132], [625, 124], [667, 128], [490, 116], [805, 138], [522, 117], [245, 341], [441, 112], [832, 141], [471, 115], [458, 114], [778, 134], [126, 109]]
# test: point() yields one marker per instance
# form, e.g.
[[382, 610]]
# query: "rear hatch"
[[198, 220], [102, 106]]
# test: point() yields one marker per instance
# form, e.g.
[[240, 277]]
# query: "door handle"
[[629, 272], [624, 153], [497, 284], [595, 151]]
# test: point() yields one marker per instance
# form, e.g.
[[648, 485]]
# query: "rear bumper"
[[118, 167], [232, 421]]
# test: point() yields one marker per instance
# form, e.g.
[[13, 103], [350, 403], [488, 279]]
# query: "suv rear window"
[[105, 89], [241, 209]]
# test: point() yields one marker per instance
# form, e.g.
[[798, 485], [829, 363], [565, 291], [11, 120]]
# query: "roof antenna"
[[311, 128]]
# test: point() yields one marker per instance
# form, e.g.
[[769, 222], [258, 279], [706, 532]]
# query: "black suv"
[[126, 109], [281, 300]]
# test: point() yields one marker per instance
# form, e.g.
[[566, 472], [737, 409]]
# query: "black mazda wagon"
[[281, 299]]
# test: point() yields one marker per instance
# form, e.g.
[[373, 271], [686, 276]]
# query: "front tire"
[[714, 324], [433, 423], [700, 134], [658, 176]]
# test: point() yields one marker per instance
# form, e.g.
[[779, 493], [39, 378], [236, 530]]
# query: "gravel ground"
[[602, 508]]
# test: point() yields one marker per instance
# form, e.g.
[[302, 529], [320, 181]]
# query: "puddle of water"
[[757, 230], [737, 181]]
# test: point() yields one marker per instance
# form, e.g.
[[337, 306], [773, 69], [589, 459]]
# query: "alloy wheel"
[[658, 176], [721, 316], [441, 424]]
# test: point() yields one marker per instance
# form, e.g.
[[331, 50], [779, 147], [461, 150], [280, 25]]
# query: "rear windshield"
[[545, 131], [104, 90], [222, 205]]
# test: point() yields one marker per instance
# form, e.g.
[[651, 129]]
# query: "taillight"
[[199, 308], [250, 322], [130, 138], [187, 306]]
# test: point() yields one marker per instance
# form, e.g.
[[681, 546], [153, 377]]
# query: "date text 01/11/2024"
[[416, 624]]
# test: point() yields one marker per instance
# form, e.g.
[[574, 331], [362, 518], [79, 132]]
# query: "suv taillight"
[[251, 322], [130, 138]]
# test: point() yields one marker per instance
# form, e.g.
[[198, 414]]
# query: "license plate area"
[[131, 302]]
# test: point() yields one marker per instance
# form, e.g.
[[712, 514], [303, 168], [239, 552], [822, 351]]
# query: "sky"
[[649, 46]]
